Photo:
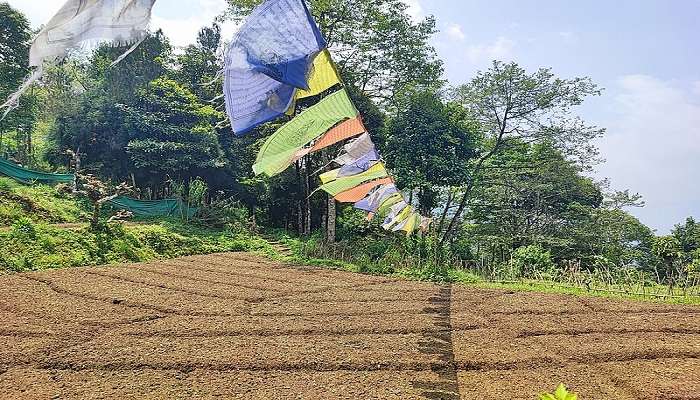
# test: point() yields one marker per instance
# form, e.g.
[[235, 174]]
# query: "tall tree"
[[428, 143], [171, 134], [94, 125], [15, 40], [512, 106]]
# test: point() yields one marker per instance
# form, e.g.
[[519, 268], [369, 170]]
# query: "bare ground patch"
[[240, 326]]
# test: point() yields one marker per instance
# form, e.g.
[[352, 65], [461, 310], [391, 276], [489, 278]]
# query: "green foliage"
[[227, 214], [429, 145], [560, 394], [39, 203], [667, 248], [16, 127], [513, 108], [532, 259], [36, 247], [171, 133], [24, 228]]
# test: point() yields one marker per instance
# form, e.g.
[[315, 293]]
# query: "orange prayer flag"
[[344, 130], [360, 192]]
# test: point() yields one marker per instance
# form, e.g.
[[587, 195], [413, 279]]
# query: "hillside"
[[39, 203], [41, 228]]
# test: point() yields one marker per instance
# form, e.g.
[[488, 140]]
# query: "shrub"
[[531, 260], [24, 228]]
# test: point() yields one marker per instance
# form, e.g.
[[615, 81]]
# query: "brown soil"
[[242, 327]]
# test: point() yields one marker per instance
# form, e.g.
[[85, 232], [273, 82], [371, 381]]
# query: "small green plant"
[[560, 394], [24, 228]]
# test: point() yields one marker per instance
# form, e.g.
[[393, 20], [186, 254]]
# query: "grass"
[[34, 244], [457, 276], [30, 247], [39, 203]]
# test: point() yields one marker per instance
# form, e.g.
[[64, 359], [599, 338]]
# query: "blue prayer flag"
[[269, 58]]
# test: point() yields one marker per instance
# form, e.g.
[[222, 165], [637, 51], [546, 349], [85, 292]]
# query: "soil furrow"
[[193, 279], [174, 289], [299, 332], [565, 332], [126, 303], [238, 326]]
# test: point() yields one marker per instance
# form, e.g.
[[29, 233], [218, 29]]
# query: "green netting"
[[279, 149], [152, 208], [29, 176]]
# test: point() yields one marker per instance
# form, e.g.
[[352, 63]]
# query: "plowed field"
[[242, 327]]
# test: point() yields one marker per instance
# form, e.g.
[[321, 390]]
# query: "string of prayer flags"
[[343, 184], [360, 192], [372, 202], [279, 149], [344, 130]]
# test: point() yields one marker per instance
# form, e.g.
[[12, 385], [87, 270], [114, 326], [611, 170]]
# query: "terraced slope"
[[239, 326]]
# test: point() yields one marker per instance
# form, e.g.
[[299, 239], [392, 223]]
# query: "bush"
[[529, 261], [225, 214], [24, 228]]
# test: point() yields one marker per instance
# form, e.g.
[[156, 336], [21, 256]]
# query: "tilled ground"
[[239, 326]]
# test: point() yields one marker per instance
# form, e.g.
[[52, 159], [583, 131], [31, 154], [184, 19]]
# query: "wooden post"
[[330, 222]]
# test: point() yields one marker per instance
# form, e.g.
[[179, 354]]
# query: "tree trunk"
[[95, 221], [460, 209], [30, 150], [330, 228], [450, 198], [300, 218], [307, 200], [300, 208]]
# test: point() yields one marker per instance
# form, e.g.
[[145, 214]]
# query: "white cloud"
[[653, 147], [696, 87], [183, 28], [500, 49], [415, 9], [455, 32]]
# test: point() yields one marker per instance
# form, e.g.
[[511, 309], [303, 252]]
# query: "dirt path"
[[242, 327]]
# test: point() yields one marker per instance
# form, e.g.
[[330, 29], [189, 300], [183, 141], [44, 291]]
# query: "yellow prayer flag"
[[323, 76]]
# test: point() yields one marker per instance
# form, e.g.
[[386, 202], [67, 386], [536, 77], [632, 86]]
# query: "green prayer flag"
[[346, 183], [278, 151]]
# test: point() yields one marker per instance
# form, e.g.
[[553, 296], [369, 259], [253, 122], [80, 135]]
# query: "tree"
[[94, 124], [378, 47], [668, 251], [171, 134], [15, 40], [428, 143], [99, 193], [199, 65], [688, 235], [530, 194], [511, 106]]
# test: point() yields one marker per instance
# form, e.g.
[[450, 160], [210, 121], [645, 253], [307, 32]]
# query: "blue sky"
[[645, 53]]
